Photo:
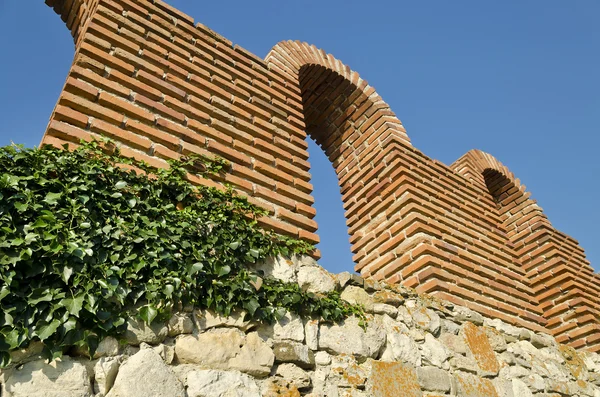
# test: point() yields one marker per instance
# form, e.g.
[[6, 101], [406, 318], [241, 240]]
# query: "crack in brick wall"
[[162, 87]]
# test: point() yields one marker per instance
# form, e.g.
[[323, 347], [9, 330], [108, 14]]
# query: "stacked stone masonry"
[[412, 346], [161, 86]]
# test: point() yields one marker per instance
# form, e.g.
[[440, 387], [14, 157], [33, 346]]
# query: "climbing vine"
[[89, 238]]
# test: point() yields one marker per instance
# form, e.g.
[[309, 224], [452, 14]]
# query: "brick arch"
[[556, 269], [519, 213], [74, 13], [358, 132]]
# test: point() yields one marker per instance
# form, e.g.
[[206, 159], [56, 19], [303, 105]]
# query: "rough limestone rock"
[[206, 319], [278, 267], [347, 372], [348, 337], [60, 378], [30, 353], [399, 345], [213, 349], [105, 373], [289, 327], [107, 347], [311, 334], [427, 319], [181, 323], [520, 389], [474, 386], [293, 352], [393, 379], [434, 352], [294, 374], [316, 279], [214, 383], [138, 331], [358, 296], [434, 379], [146, 374], [255, 357]]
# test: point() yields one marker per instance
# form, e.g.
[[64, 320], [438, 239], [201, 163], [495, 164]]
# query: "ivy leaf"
[[52, 198], [67, 272], [223, 270], [148, 313], [73, 305], [120, 185], [234, 245], [4, 291], [47, 329], [195, 268]]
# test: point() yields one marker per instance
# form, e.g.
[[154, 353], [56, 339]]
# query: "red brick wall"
[[161, 86]]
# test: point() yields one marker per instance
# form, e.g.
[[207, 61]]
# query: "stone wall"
[[161, 86], [412, 345]]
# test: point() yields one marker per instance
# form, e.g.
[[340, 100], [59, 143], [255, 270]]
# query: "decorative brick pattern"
[[162, 86]]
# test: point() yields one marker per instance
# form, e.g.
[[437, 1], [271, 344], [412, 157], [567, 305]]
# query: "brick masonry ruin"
[[147, 76]]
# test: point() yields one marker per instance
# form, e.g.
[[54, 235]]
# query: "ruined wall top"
[[145, 75]]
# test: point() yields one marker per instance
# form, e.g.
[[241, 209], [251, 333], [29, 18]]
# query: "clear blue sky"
[[518, 79]]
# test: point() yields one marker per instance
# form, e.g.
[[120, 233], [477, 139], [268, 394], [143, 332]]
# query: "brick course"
[[161, 86]]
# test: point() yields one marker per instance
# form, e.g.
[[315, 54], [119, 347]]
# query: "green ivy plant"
[[89, 238]]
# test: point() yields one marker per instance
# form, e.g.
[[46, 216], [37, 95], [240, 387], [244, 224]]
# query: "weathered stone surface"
[[495, 338], [30, 353], [322, 358], [358, 296], [214, 383], [207, 319], [146, 374], [393, 380], [348, 337], [255, 357], [213, 349], [278, 267], [433, 379], [60, 378], [399, 345], [316, 279], [474, 386], [427, 319], [520, 389], [347, 372], [289, 327], [277, 387], [138, 332], [388, 298], [311, 334], [454, 342], [294, 375], [434, 352], [105, 373], [481, 349], [180, 323], [347, 278], [382, 308], [462, 314], [293, 352]]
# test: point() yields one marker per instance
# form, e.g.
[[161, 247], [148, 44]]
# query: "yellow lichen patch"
[[474, 386], [393, 379], [479, 345], [281, 388], [573, 360]]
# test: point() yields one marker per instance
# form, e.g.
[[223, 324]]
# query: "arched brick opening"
[[562, 281], [357, 131]]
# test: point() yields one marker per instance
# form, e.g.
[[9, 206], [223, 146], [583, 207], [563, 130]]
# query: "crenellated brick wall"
[[147, 76]]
